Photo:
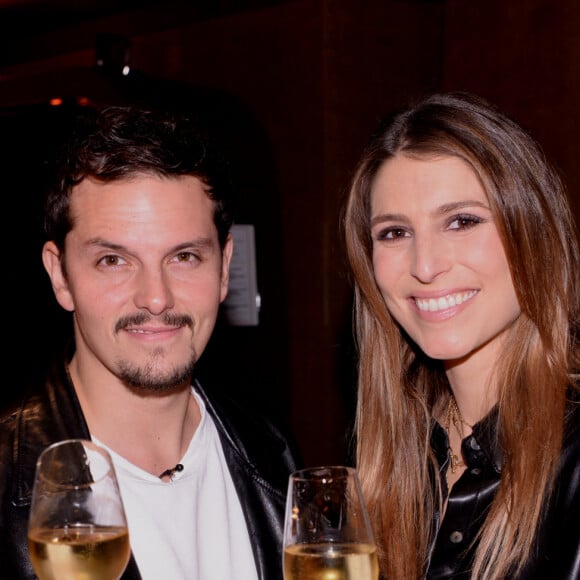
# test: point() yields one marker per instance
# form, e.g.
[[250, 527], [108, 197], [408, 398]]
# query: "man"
[[138, 250]]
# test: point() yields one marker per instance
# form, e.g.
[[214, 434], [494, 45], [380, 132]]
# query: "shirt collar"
[[482, 446]]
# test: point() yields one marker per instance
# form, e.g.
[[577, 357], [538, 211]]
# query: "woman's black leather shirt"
[[557, 546], [258, 456]]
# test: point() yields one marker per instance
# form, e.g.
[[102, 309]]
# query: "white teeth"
[[436, 304]]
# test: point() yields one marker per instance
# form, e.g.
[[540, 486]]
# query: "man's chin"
[[159, 389], [151, 380]]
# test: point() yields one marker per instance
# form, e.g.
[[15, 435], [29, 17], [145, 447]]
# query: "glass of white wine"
[[77, 526], [327, 531]]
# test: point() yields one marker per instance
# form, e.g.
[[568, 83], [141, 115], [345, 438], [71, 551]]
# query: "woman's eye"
[[464, 222], [391, 233]]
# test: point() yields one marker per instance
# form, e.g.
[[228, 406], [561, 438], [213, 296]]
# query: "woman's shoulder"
[[569, 466], [572, 419], [568, 475]]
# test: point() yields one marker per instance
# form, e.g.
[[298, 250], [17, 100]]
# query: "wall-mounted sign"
[[242, 304]]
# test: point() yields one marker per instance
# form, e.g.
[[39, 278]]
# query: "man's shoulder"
[[9, 414], [12, 411], [249, 430], [8, 423], [28, 403], [242, 414]]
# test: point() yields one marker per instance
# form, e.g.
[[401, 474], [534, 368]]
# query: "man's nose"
[[153, 291]]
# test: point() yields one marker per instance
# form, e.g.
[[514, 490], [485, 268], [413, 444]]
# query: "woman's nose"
[[431, 256]]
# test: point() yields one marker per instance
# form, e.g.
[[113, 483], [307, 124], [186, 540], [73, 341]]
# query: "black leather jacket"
[[259, 458], [556, 554]]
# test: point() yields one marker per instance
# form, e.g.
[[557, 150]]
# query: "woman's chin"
[[445, 352]]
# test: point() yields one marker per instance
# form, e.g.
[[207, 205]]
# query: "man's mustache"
[[169, 319]]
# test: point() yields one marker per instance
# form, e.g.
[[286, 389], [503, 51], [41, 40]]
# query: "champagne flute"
[[327, 531], [77, 527]]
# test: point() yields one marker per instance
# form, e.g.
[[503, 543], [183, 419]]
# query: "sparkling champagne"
[[79, 553], [331, 562]]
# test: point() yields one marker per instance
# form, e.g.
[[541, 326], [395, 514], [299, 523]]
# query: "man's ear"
[[52, 264], [226, 259]]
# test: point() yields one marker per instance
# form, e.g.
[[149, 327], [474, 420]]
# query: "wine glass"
[[77, 526], [327, 531]]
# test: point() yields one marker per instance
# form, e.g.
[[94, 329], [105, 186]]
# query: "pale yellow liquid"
[[331, 562], [79, 553]]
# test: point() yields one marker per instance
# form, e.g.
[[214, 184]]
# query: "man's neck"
[[151, 431]]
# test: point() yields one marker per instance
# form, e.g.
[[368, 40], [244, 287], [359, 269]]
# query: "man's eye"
[[186, 257], [110, 260]]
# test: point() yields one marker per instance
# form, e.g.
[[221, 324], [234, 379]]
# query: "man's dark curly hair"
[[119, 142]]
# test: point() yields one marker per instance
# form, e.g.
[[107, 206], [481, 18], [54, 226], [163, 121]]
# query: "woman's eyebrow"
[[388, 217], [456, 205], [440, 210]]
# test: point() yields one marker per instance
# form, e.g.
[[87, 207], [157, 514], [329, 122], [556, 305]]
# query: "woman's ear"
[[51, 258]]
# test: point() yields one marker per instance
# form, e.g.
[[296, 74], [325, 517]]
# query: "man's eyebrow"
[[101, 242], [197, 243]]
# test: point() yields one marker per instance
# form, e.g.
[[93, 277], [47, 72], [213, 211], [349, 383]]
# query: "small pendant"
[[455, 462]]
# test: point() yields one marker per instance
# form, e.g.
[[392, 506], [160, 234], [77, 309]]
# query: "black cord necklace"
[[171, 472]]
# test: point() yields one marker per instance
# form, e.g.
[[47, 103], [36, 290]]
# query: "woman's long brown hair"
[[398, 388]]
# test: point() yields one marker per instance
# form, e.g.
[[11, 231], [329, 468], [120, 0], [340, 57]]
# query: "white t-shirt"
[[191, 528]]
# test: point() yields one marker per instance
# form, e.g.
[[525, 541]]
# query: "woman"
[[465, 264]]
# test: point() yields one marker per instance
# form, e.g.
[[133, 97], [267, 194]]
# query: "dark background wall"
[[293, 89]]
